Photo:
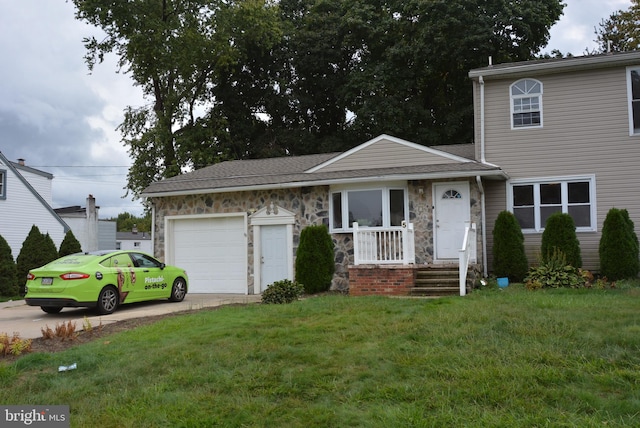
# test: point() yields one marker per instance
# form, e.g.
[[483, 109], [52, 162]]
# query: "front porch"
[[384, 264]]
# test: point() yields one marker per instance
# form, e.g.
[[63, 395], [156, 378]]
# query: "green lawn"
[[509, 358]]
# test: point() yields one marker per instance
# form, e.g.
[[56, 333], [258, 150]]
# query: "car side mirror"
[[162, 266]]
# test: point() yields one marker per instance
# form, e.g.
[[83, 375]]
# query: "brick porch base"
[[388, 280]]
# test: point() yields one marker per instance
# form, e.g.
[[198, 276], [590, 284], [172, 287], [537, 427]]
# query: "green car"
[[104, 280]]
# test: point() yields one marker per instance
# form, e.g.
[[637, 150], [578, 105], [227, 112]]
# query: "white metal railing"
[[465, 254], [392, 245]]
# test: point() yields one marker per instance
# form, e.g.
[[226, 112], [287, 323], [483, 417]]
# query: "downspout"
[[482, 157], [483, 217], [479, 181], [153, 229]]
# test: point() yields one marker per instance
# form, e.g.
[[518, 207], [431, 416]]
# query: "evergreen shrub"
[[315, 260], [9, 286], [618, 249], [560, 233], [69, 245], [37, 250], [509, 257]]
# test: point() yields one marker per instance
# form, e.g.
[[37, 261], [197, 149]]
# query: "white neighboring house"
[[92, 233], [134, 240], [25, 200]]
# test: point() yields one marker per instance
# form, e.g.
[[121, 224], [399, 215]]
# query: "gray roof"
[[130, 236], [556, 65], [290, 171]]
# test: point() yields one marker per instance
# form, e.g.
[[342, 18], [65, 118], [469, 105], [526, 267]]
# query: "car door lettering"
[[155, 282]]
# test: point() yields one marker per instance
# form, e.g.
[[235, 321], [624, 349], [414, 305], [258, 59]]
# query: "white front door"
[[452, 210], [274, 260]]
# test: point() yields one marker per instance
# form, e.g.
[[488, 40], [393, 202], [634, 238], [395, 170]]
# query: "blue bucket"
[[503, 282]]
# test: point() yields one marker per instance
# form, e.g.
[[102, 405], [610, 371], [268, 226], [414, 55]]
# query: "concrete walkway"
[[28, 321]]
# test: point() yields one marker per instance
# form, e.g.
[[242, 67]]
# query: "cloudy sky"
[[63, 120]]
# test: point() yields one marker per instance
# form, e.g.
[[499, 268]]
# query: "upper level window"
[[3, 184], [526, 104], [369, 207], [533, 202], [633, 91]]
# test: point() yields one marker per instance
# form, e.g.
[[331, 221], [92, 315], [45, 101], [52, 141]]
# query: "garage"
[[213, 251]]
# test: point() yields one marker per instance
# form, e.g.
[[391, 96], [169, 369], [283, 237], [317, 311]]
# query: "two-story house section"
[[25, 200], [567, 134]]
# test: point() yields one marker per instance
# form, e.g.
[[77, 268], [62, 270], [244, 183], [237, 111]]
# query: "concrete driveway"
[[17, 317]]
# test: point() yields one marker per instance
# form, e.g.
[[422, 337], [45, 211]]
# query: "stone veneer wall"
[[311, 206]]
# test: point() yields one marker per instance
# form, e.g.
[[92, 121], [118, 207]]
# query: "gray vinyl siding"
[[386, 154], [585, 131]]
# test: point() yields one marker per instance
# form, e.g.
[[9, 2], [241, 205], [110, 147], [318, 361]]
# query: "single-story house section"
[[388, 203]]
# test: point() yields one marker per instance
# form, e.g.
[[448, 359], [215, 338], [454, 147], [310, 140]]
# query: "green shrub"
[[37, 250], [315, 259], [8, 280], [560, 233], [284, 291], [618, 249], [554, 272], [509, 257], [69, 245]]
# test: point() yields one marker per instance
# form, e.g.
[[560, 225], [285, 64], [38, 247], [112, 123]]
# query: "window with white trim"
[[381, 207], [526, 104], [633, 92], [532, 202], [3, 184]]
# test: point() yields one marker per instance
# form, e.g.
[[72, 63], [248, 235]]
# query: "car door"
[[121, 273], [150, 279]]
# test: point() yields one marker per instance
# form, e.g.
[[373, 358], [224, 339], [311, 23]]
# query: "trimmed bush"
[[284, 291], [618, 249], [69, 245], [37, 250], [315, 260], [509, 257], [560, 233], [50, 250], [8, 280]]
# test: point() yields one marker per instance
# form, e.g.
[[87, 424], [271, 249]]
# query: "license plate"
[[47, 281]]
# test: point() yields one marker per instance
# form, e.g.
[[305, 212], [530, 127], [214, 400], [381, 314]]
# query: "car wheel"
[[179, 290], [107, 300], [51, 309]]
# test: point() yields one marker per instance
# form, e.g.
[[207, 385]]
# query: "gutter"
[[294, 185]]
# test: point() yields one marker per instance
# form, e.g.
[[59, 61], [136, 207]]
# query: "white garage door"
[[213, 251]]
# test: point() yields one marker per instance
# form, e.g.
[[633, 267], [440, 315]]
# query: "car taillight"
[[30, 276], [74, 275]]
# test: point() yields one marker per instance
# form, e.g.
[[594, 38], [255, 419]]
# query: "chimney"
[[134, 229], [21, 162]]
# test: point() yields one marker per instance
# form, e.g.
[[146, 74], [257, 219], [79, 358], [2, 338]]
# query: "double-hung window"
[[3, 184], [526, 104], [381, 206], [533, 202], [633, 91]]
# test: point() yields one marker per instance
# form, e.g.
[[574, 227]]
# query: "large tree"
[[256, 78], [176, 51], [621, 30]]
